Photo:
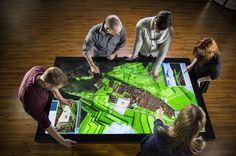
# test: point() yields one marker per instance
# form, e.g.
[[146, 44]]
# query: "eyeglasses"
[[110, 31]]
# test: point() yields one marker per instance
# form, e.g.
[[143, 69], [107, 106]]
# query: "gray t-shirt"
[[104, 44]]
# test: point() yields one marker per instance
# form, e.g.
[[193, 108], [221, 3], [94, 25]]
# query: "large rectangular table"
[[119, 104]]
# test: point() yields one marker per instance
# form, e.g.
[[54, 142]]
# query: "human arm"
[[190, 67], [112, 56], [44, 122], [88, 44], [215, 68], [161, 55], [159, 113], [138, 40], [121, 42], [33, 107], [65, 142], [58, 95], [119, 45], [94, 68], [158, 121], [202, 79], [215, 72]]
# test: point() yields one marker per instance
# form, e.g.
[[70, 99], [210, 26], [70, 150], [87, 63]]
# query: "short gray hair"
[[112, 20]]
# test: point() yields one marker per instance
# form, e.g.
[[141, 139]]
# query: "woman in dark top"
[[206, 65], [181, 139]]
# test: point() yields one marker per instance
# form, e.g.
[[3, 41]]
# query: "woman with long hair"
[[206, 64], [180, 140]]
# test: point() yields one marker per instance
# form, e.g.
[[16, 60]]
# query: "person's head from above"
[[206, 48], [186, 128], [162, 21], [54, 78], [113, 25], [189, 122]]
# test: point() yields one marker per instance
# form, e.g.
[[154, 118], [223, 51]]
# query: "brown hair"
[[207, 48], [55, 76], [185, 130], [164, 20]]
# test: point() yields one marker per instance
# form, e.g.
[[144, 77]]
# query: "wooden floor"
[[33, 32]]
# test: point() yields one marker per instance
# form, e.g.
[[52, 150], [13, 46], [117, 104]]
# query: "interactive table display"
[[120, 103]]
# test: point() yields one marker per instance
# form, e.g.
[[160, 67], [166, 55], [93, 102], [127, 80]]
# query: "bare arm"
[[88, 57], [122, 41], [159, 113], [58, 95], [202, 79], [205, 78], [59, 138], [193, 62], [189, 67], [54, 134], [93, 67]]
